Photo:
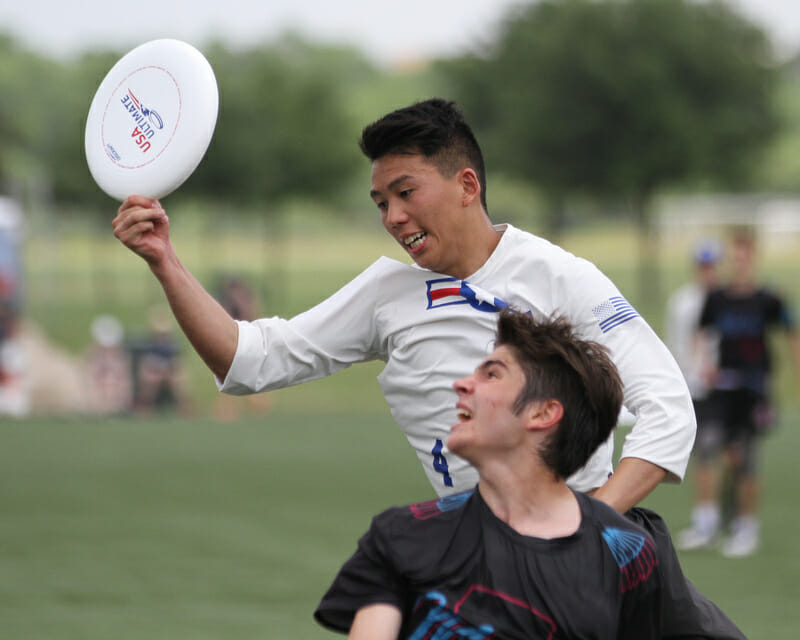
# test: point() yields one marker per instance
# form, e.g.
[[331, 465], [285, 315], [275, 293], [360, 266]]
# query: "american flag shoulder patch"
[[613, 312]]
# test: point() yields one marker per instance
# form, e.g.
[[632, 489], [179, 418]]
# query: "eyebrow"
[[392, 185], [486, 364]]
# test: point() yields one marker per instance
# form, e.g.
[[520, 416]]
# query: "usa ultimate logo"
[[146, 121]]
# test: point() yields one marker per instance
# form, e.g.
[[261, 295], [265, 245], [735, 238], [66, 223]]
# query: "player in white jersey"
[[431, 321], [429, 327]]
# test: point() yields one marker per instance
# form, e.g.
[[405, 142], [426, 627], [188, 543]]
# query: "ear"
[[470, 186], [544, 414]]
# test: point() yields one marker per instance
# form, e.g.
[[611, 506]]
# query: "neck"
[[476, 243], [742, 285], [534, 502]]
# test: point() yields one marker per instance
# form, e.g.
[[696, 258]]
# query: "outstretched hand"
[[142, 225]]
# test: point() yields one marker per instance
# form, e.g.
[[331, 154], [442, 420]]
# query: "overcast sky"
[[388, 31]]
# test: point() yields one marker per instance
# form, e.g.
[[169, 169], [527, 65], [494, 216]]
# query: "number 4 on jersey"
[[440, 463]]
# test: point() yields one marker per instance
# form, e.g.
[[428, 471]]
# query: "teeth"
[[463, 414], [412, 242]]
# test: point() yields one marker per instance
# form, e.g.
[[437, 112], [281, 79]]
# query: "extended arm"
[[660, 443], [376, 622], [632, 481], [142, 226]]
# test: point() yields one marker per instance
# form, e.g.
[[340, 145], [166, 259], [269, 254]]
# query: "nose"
[[395, 216], [463, 386]]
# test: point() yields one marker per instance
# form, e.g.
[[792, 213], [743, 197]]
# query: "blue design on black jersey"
[[634, 554], [432, 508], [440, 623], [625, 545]]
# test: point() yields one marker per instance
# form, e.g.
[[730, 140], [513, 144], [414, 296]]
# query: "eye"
[[382, 205], [405, 193]]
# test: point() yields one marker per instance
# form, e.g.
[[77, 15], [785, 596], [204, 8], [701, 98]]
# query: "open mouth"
[[414, 241], [463, 415]]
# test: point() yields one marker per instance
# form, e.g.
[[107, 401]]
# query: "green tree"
[[283, 128], [622, 98], [28, 91], [69, 177]]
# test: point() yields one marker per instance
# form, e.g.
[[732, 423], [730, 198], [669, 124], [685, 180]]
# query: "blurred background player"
[[158, 381], [109, 368], [238, 298], [682, 322], [14, 366], [683, 317], [738, 318]]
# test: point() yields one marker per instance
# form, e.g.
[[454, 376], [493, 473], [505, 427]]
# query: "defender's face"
[[486, 420], [422, 210]]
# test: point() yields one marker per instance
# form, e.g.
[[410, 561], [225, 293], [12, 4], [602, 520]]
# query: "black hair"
[[434, 128]]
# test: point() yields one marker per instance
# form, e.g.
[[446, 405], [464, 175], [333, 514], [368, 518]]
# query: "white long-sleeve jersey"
[[431, 329]]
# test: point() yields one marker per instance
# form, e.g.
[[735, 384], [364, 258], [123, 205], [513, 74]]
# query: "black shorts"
[[702, 410], [740, 413]]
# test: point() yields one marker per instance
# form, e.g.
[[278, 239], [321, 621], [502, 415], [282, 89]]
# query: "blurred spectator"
[[238, 299], [14, 392], [683, 317], [158, 384], [739, 315], [684, 307], [109, 369]]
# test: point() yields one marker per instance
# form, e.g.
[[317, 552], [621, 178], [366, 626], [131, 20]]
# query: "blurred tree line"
[[611, 100]]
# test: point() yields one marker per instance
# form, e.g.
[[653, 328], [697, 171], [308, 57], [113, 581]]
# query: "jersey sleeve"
[[273, 353], [784, 314], [367, 578], [655, 390]]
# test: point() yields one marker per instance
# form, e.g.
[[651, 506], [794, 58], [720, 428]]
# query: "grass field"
[[172, 528], [185, 528]]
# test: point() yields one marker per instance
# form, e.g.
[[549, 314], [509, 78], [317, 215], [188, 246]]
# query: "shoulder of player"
[[771, 294], [566, 275], [417, 540], [420, 517], [537, 248], [399, 274], [604, 517]]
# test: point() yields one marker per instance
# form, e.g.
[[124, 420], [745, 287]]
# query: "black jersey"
[[456, 571], [742, 323]]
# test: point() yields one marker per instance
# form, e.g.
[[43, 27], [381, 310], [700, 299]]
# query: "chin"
[[456, 443], [452, 443]]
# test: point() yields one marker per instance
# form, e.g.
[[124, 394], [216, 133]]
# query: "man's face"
[[486, 419], [743, 259], [422, 210]]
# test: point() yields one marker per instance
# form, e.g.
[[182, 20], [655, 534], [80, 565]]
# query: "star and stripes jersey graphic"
[[613, 312], [443, 292]]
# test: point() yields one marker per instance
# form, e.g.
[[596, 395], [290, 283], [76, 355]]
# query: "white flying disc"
[[151, 120]]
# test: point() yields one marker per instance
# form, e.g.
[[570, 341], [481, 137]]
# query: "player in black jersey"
[[740, 318], [522, 556]]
